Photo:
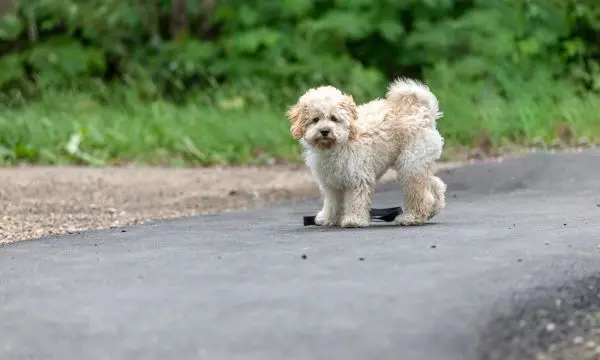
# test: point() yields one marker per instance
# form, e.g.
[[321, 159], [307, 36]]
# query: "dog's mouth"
[[322, 142]]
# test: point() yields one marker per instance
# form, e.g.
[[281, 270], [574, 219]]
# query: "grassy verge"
[[531, 114], [72, 128]]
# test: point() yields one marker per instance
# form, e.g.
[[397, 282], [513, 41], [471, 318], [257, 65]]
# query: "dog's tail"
[[403, 89]]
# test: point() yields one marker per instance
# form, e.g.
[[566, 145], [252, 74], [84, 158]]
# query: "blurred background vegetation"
[[207, 81]]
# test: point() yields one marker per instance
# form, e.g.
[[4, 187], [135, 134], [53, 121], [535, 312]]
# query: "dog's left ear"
[[294, 114], [350, 107]]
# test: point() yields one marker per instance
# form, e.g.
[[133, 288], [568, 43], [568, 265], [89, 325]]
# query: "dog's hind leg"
[[423, 192], [419, 199], [438, 188]]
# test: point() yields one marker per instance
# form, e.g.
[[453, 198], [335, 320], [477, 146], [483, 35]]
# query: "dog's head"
[[324, 117]]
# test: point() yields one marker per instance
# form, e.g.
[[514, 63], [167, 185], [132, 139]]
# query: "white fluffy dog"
[[349, 147]]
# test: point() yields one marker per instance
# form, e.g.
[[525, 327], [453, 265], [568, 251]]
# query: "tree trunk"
[[179, 20]]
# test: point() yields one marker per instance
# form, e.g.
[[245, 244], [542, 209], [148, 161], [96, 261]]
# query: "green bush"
[[267, 50]]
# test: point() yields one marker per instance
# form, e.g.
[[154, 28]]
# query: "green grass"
[[527, 112], [72, 128]]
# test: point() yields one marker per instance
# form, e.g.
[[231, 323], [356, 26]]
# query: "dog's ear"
[[294, 114], [350, 107]]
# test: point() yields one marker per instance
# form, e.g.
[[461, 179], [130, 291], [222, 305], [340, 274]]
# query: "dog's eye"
[[315, 120], [334, 119]]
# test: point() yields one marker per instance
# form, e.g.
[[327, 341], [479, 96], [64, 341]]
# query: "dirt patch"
[[547, 323], [39, 201], [579, 348]]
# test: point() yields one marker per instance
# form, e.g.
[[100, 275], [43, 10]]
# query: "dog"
[[348, 148]]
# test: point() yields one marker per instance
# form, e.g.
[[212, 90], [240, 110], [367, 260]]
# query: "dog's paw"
[[355, 222], [434, 213], [323, 219], [409, 220]]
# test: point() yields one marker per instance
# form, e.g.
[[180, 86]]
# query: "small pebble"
[[361, 259], [590, 344], [304, 256], [578, 340], [550, 327], [433, 246]]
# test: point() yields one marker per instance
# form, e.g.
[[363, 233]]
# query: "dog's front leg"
[[332, 208], [357, 206]]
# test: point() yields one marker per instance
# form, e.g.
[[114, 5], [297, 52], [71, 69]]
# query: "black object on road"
[[387, 215]]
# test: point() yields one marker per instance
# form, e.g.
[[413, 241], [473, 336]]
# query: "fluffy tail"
[[402, 88]]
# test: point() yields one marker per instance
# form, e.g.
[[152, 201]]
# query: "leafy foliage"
[[266, 50]]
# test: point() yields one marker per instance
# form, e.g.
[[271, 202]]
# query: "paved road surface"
[[236, 286]]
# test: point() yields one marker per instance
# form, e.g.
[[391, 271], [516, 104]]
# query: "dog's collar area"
[[387, 215]]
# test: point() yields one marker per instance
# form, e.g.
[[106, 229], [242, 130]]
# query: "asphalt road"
[[236, 286]]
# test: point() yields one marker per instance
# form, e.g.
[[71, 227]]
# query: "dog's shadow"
[[375, 226]]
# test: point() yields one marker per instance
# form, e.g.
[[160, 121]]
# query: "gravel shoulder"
[[42, 201]]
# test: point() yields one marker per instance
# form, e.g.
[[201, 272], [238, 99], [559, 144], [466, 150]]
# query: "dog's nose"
[[325, 132]]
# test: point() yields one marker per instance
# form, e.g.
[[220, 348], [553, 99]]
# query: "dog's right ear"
[[294, 114]]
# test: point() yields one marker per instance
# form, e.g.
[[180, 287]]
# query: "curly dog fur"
[[349, 147]]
